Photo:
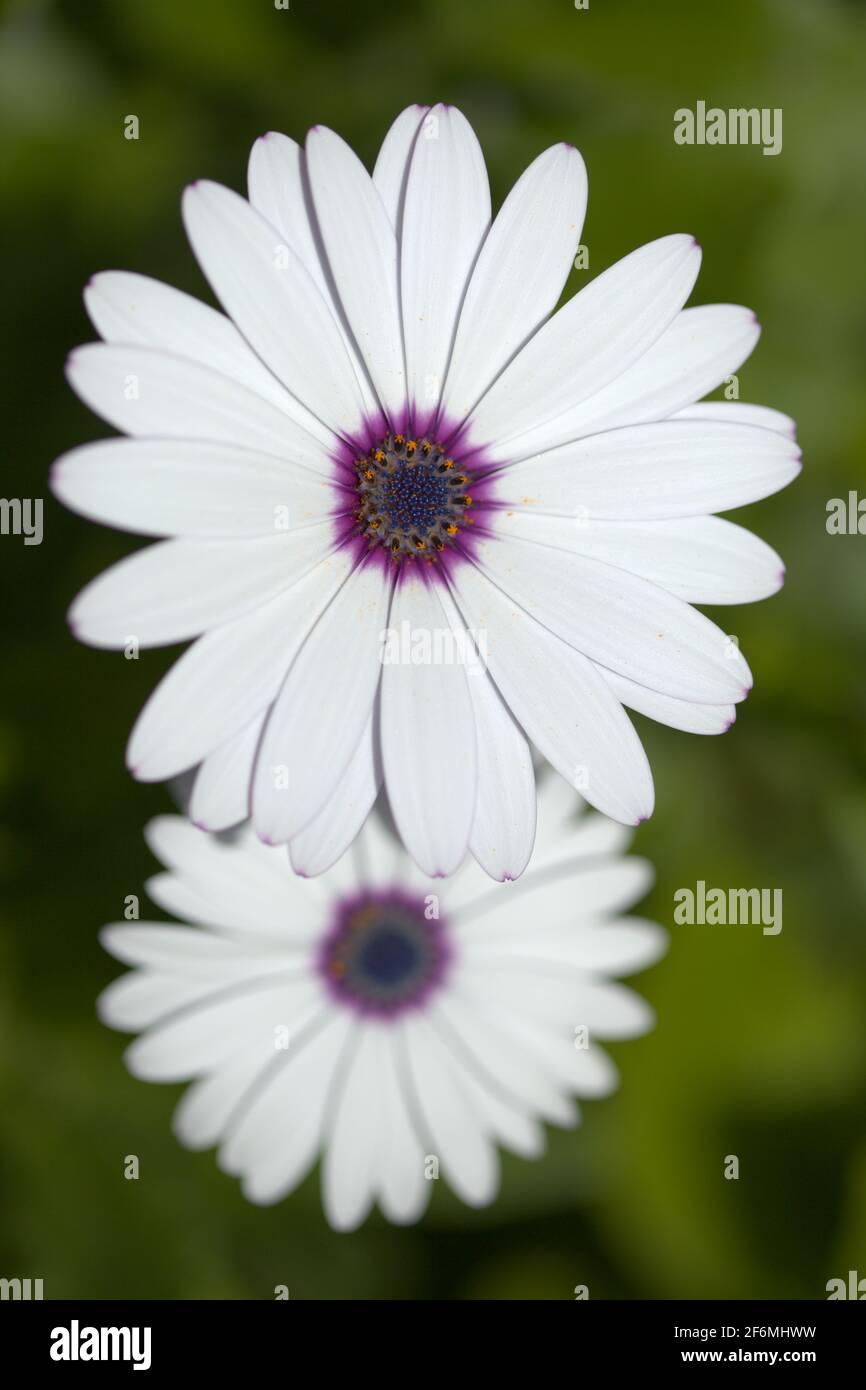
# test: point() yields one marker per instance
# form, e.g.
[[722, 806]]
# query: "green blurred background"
[[760, 1048]]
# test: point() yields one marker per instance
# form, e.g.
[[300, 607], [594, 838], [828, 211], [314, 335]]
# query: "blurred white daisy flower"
[[401, 1027], [390, 429]]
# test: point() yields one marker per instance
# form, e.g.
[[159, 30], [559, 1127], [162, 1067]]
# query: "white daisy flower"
[[390, 430], [400, 1026]]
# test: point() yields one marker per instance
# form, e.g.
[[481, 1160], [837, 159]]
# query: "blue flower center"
[[412, 498], [384, 953], [390, 957], [415, 498]]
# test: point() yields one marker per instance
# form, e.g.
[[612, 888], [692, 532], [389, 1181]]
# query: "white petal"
[[503, 827], [322, 710], [505, 1123], [613, 948], [189, 953], [621, 947], [497, 1059], [584, 1070], [221, 791], [275, 180], [190, 487], [593, 836], [464, 887], [184, 969], [147, 391], [503, 831], [226, 679], [700, 349], [577, 835], [212, 1032], [612, 1010], [466, 1155], [693, 717], [278, 190], [140, 999], [332, 830], [592, 339], [445, 217], [558, 807], [520, 273], [700, 559], [568, 830], [586, 890], [129, 308], [282, 1130], [428, 736], [404, 1188], [353, 1145], [557, 999], [544, 1042], [381, 858], [177, 589], [740, 413], [560, 700], [274, 301], [673, 468], [206, 1106], [392, 161], [237, 884], [622, 622], [362, 254], [286, 919]]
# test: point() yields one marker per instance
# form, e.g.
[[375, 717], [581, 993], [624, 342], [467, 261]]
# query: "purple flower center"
[[413, 499], [385, 953]]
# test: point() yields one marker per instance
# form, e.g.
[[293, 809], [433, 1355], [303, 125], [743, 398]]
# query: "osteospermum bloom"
[[390, 430], [400, 1026]]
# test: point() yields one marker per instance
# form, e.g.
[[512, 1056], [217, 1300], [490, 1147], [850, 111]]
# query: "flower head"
[[392, 1023], [391, 428]]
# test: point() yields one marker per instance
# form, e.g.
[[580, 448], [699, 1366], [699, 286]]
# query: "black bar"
[[242, 1336]]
